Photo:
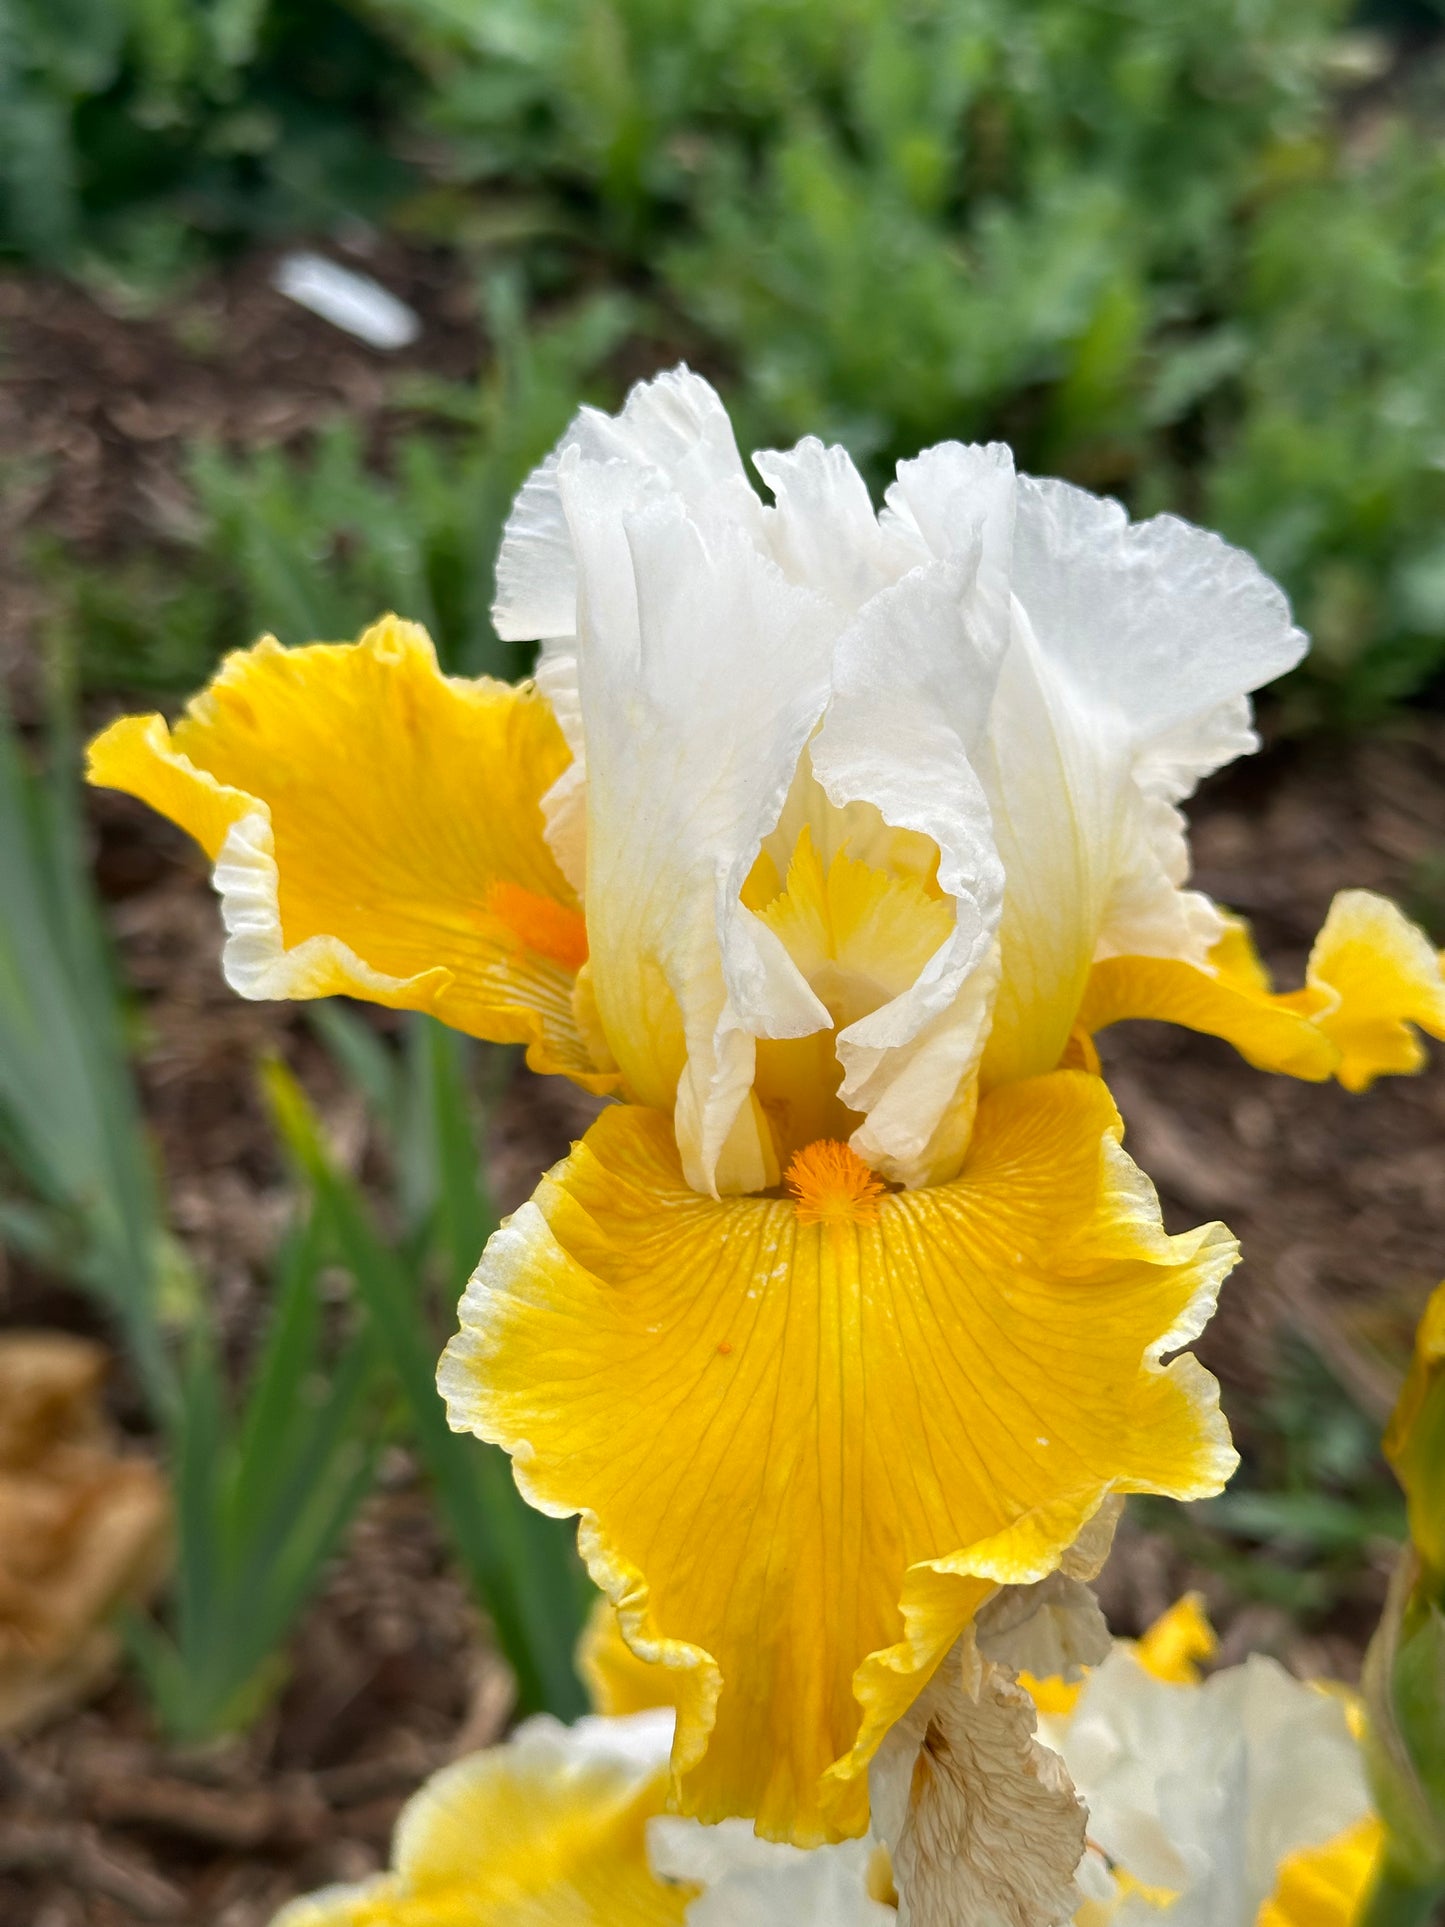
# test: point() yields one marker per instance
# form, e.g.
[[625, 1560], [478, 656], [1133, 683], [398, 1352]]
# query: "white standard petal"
[[823, 530], [674, 425], [564, 806], [913, 689], [1132, 652], [702, 673]]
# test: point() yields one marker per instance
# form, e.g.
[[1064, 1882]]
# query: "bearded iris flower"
[[825, 839]]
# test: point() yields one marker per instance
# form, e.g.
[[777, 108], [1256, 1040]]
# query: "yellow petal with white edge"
[[617, 1681], [376, 829], [805, 1453], [1326, 1886], [1372, 974], [548, 1830]]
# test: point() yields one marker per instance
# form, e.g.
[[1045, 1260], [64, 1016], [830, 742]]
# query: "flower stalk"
[[1405, 1666]]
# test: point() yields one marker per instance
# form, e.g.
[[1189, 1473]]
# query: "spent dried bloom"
[[83, 1528]]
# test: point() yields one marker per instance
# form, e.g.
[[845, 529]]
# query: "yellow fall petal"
[[377, 831], [1371, 975], [1325, 1886], [518, 1836], [617, 1681], [806, 1452]]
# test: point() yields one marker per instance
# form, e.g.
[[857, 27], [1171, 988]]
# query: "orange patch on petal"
[[831, 1184], [540, 924]]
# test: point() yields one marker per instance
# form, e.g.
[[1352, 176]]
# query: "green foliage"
[[269, 1464], [130, 129], [77, 1187], [521, 1563], [315, 546], [1314, 1489], [1330, 469], [1404, 1694], [1130, 239], [264, 1491], [899, 221], [264, 1494]]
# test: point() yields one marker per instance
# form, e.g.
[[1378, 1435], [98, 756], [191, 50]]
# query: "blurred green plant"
[[1313, 1489], [1138, 241], [269, 1464], [266, 1485], [1327, 461], [133, 130], [899, 222], [1404, 1676], [521, 1564], [1132, 240], [78, 1187], [315, 546]]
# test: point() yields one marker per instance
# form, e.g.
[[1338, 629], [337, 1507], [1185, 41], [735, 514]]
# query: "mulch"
[[1338, 1200]]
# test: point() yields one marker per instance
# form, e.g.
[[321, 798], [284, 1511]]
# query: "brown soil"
[[1339, 1201]]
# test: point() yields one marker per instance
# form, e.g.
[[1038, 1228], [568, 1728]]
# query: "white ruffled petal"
[[702, 673], [1204, 1790], [1133, 651], [1158, 622], [913, 688], [675, 424], [823, 530], [642, 1741], [564, 807]]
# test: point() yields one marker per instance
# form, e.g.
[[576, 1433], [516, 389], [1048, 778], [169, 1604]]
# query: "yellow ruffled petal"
[[805, 1453], [1371, 975], [1374, 974], [531, 1834], [1268, 1034], [377, 832], [1326, 1886]]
